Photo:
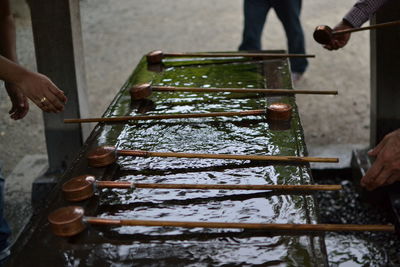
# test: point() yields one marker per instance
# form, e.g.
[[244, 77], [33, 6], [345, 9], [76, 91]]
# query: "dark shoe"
[[296, 77]]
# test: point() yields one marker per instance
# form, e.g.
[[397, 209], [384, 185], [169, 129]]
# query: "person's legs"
[[288, 11], [255, 13], [5, 231]]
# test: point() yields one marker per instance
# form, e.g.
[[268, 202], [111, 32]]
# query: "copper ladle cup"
[[155, 57], [279, 112], [79, 188], [323, 34], [67, 221], [102, 156], [140, 91]]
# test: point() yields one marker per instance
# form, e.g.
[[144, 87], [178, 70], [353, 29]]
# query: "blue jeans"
[[288, 12], [5, 230]]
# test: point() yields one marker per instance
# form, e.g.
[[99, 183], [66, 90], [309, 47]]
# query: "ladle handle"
[[261, 55], [239, 90], [376, 26], [170, 116], [255, 226], [117, 184], [140, 153]]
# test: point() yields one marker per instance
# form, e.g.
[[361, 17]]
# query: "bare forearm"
[[11, 72], [20, 82], [7, 37], [37, 87], [7, 32]]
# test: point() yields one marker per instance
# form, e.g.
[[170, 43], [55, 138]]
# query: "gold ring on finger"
[[43, 99]]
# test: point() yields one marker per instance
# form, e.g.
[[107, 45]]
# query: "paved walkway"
[[117, 33]]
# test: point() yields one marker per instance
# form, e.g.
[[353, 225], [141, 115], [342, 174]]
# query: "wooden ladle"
[[70, 221], [83, 187], [324, 34], [156, 57], [244, 113], [144, 90], [107, 155], [275, 111]]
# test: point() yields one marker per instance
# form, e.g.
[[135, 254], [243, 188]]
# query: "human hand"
[[42, 91], [20, 105], [339, 40], [386, 168]]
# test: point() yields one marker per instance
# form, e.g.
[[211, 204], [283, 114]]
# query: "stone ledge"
[[18, 190], [341, 151]]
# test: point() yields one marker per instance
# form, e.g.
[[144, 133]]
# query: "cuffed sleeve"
[[362, 11]]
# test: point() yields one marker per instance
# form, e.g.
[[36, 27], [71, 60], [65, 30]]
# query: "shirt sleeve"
[[362, 11]]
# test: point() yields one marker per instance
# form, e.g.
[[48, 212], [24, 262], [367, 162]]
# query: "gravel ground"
[[117, 33]]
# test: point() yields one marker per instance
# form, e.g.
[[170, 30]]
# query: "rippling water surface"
[[356, 249], [167, 246], [246, 135]]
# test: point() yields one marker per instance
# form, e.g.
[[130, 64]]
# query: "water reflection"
[[355, 249], [142, 106], [350, 250], [155, 246]]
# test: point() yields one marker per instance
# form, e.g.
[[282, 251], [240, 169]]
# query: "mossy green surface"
[[252, 135], [167, 246]]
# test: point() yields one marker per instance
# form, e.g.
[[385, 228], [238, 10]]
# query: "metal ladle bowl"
[[155, 57], [79, 188], [140, 91], [279, 112], [102, 156], [67, 221], [323, 34]]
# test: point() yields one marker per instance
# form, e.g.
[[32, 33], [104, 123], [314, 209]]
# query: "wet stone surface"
[[164, 246], [349, 207]]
